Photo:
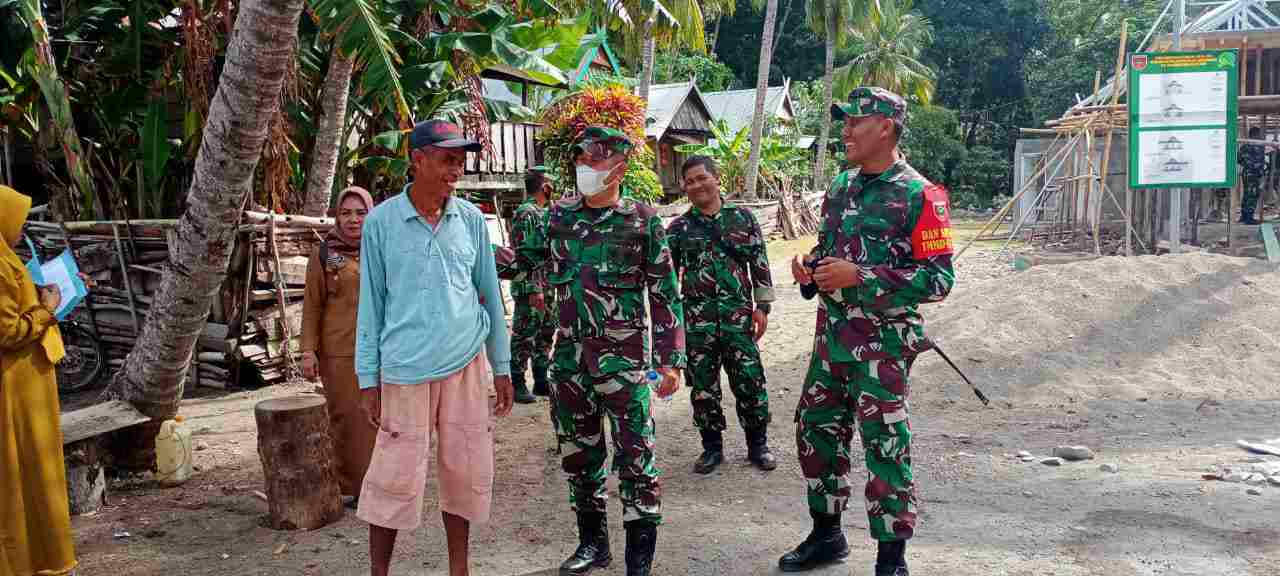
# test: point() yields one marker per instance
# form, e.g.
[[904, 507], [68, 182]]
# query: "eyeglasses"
[[597, 151]]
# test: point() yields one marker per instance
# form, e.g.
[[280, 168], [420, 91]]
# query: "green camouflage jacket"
[[719, 288], [598, 265], [897, 228], [529, 222]]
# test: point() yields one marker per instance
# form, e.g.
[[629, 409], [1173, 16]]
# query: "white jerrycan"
[[173, 452]]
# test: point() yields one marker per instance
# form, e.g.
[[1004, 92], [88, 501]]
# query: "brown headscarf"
[[338, 240]]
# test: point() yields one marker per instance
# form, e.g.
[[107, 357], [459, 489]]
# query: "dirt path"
[[983, 511]]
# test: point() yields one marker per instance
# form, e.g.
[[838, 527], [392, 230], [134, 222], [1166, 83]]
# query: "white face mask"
[[590, 180]]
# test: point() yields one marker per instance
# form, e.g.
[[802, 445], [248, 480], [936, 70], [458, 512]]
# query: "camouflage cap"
[[612, 138], [868, 100]]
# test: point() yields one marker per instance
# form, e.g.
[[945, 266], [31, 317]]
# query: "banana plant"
[[729, 150]]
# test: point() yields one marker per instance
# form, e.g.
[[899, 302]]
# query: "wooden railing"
[[515, 150]]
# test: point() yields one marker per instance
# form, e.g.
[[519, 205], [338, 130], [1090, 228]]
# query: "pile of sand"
[[1158, 327]]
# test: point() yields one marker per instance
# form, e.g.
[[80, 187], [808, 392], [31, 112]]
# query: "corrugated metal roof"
[[736, 107], [665, 101]]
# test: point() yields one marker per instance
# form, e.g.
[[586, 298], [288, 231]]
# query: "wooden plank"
[[1269, 238], [98, 419], [509, 146], [521, 152], [531, 145], [270, 295]]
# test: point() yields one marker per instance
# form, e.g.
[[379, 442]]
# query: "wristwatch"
[[764, 307]]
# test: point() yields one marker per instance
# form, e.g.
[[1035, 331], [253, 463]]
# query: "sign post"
[[1183, 110]]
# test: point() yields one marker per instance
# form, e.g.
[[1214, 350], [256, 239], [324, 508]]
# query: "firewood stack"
[[247, 342]]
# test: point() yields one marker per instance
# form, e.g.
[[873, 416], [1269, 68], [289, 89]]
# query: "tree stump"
[[298, 462], [86, 479], [83, 432]]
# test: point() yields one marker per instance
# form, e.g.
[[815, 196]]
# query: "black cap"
[[441, 134]]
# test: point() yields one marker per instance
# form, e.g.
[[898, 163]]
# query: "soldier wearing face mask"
[[600, 253]]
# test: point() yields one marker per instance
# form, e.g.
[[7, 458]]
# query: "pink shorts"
[[458, 411]]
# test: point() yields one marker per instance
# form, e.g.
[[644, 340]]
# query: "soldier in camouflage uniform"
[[884, 248], [722, 261], [532, 326], [1254, 160], [602, 251]]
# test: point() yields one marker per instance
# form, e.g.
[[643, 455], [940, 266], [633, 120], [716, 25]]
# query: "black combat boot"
[[593, 545], [824, 545], [642, 537], [522, 393], [758, 449], [540, 381], [891, 558], [712, 451]]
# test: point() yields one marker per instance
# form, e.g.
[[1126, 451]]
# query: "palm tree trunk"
[[782, 26], [646, 58], [819, 168], [337, 85], [762, 89], [248, 96], [715, 36], [55, 97]]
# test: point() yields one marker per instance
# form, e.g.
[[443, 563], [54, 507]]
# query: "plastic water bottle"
[[654, 377], [173, 453]]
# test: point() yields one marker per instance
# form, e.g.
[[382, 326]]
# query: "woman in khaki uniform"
[[35, 522], [329, 337]]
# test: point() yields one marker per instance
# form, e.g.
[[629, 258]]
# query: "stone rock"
[[1052, 461], [1027, 458], [1234, 477], [1256, 480], [1023, 454], [1110, 468], [1267, 468], [1274, 480], [1027, 493], [1073, 453], [1254, 492], [201, 446]]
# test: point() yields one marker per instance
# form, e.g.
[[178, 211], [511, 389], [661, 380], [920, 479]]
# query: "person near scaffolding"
[[1253, 159]]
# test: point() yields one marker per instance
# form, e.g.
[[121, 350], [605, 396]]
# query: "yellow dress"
[[35, 520]]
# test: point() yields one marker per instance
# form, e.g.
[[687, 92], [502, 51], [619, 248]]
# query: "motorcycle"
[[85, 358]]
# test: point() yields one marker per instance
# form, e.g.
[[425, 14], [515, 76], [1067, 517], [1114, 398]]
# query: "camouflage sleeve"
[[927, 275], [824, 234], [758, 253], [526, 227], [666, 313], [674, 230], [529, 254]]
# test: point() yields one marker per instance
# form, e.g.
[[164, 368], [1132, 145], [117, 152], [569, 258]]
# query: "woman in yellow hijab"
[[35, 521]]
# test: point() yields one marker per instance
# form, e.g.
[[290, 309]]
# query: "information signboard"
[[1182, 119]]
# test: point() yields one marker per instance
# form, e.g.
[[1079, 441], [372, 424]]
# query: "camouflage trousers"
[[738, 353], [582, 401], [532, 331], [874, 395], [1249, 200]]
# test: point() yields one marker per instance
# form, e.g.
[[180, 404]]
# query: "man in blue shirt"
[[429, 328]]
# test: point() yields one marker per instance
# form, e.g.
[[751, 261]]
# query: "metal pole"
[[1175, 194]]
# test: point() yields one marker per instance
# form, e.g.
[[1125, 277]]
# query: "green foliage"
[[933, 142], [364, 32], [640, 181], [983, 174], [884, 48], [711, 75]]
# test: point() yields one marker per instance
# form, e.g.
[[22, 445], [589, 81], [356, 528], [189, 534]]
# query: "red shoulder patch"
[[932, 234]]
